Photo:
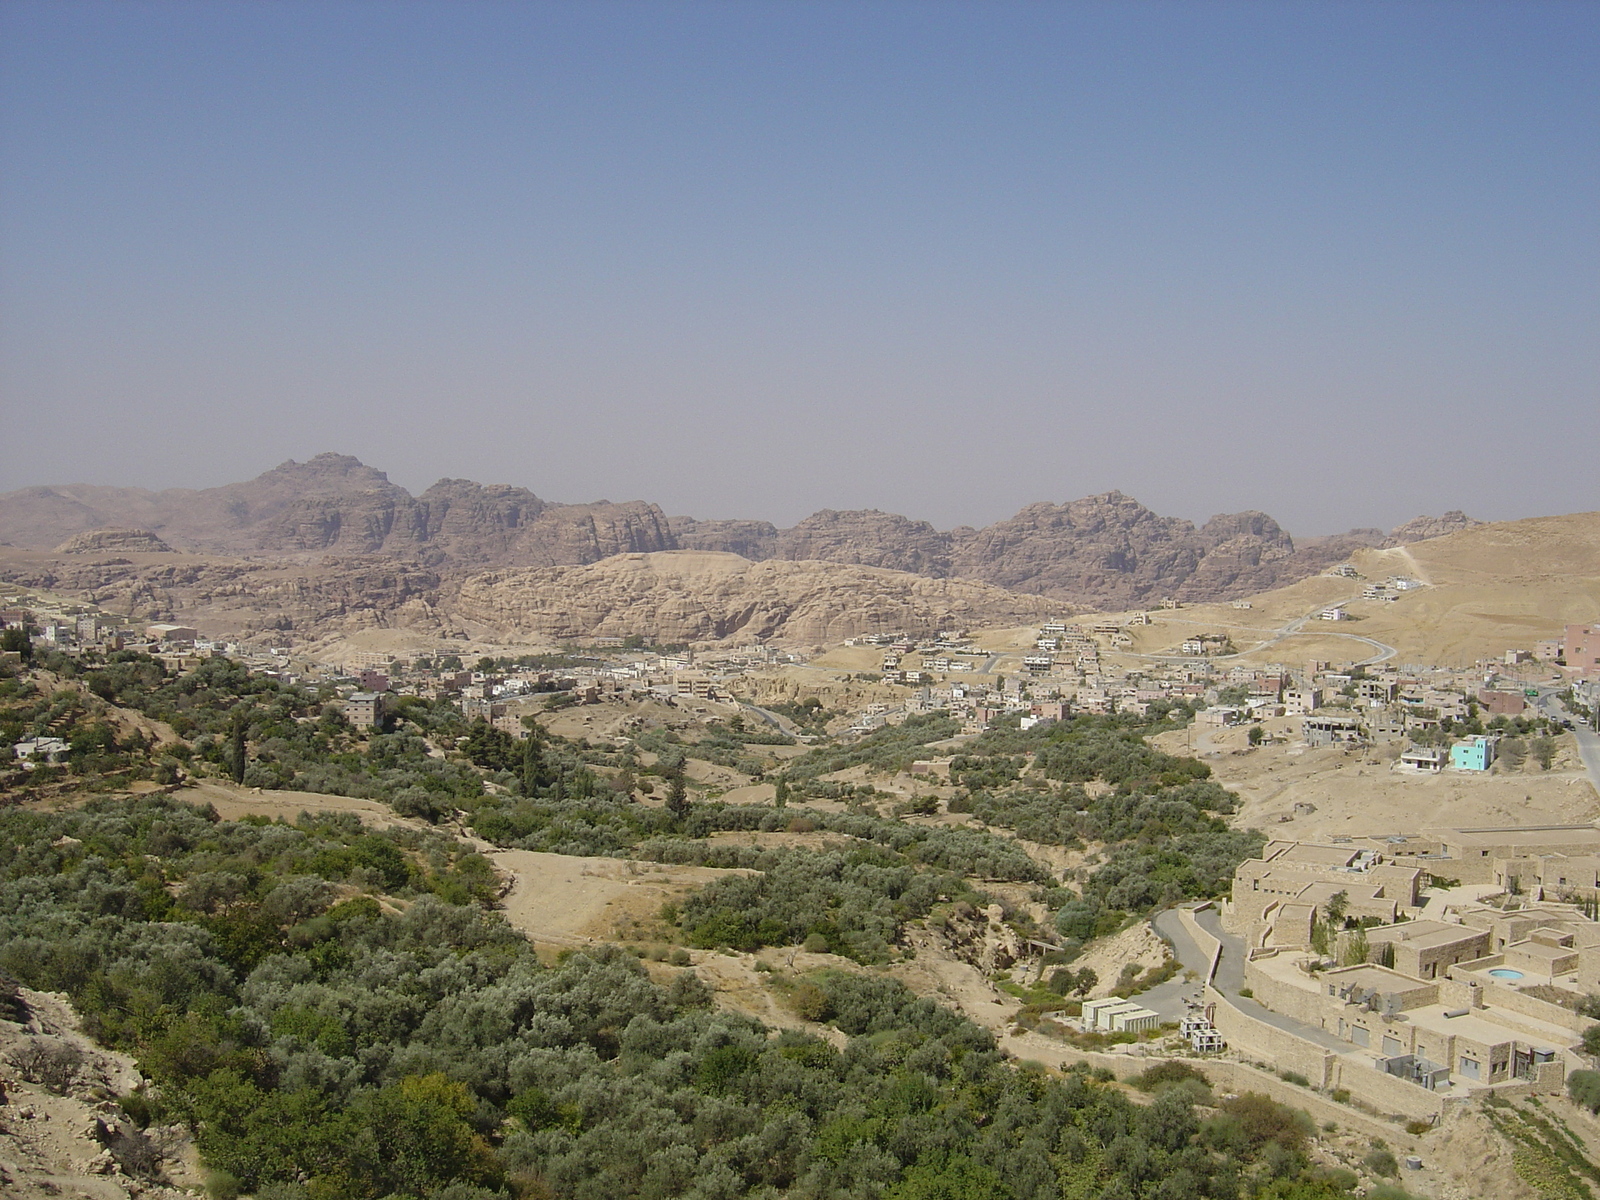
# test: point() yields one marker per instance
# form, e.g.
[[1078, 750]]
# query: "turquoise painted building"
[[1475, 754]]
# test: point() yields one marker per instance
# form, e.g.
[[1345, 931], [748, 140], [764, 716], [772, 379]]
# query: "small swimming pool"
[[1505, 973]]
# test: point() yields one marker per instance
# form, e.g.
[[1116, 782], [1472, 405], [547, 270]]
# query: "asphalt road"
[[1171, 999], [1230, 978], [1549, 703]]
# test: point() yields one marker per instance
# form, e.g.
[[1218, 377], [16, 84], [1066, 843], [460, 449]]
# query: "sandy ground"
[[233, 802], [1490, 589], [1358, 791], [569, 901], [1108, 956]]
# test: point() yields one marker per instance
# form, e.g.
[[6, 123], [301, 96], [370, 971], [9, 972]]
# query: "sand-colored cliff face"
[[337, 504], [684, 596], [105, 541], [229, 597]]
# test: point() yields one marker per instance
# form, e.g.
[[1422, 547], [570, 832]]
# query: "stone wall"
[[1267, 1043], [1281, 997], [1231, 1077], [1509, 1000]]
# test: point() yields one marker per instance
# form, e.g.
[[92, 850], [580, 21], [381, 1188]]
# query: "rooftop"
[[1424, 933], [1375, 979], [1538, 835], [1329, 856]]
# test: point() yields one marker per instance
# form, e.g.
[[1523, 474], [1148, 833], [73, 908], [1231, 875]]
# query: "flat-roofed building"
[[1477, 753], [1424, 949], [1325, 729], [1423, 760], [366, 710], [1116, 1015], [1301, 873], [1580, 649], [1470, 855]]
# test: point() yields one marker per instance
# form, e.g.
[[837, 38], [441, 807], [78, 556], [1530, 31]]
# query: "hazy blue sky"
[[1334, 261]]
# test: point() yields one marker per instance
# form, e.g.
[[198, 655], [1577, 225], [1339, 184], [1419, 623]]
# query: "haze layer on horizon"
[[1334, 261]]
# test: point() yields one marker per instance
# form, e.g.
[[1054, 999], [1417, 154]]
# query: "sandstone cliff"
[[238, 597], [1421, 529], [868, 538], [688, 596], [101, 541], [1105, 551], [336, 503], [754, 540]]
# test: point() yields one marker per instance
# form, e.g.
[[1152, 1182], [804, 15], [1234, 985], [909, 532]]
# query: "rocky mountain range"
[[1106, 551], [337, 504]]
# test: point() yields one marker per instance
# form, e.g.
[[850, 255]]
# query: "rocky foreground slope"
[[1106, 551]]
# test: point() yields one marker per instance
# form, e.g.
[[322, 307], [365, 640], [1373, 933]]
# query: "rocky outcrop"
[[124, 541], [575, 534], [1420, 529], [335, 503], [754, 540], [868, 538], [476, 523], [235, 597], [690, 596], [1239, 553], [1107, 551]]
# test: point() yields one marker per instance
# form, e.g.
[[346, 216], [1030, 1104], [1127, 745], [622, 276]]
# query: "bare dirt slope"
[[60, 1132], [1491, 588], [568, 900], [1357, 791]]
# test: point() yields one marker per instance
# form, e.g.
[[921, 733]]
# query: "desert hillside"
[[690, 596], [1489, 588]]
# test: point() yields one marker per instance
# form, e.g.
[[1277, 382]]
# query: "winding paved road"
[[1548, 702]]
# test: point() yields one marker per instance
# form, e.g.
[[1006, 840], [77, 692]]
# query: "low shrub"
[[1380, 1160]]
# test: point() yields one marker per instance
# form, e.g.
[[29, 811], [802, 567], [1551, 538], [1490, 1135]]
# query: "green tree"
[[16, 639], [1591, 1041], [1321, 936], [237, 760], [677, 789], [1356, 949], [780, 792], [1584, 1088], [533, 769]]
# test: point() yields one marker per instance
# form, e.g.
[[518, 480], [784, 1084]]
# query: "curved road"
[[1548, 703]]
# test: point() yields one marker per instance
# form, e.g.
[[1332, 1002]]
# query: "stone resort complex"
[[1417, 972]]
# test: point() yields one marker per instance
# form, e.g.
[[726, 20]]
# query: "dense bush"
[[330, 1029], [889, 748]]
